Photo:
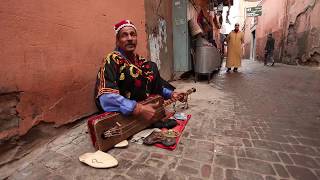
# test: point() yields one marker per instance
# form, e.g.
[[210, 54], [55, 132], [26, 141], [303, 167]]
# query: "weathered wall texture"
[[50, 54], [296, 28], [302, 43], [159, 32], [247, 37]]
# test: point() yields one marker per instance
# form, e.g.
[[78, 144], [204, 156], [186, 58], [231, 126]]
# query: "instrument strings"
[[118, 130]]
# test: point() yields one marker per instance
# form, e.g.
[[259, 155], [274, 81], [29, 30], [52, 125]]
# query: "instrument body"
[[110, 128]]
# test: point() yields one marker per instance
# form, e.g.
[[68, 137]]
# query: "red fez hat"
[[122, 24]]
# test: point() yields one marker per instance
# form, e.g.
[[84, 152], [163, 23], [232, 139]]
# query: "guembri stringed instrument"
[[109, 129]]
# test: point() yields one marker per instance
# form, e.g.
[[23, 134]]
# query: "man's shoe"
[[169, 124], [154, 137], [229, 69], [272, 64], [158, 137], [235, 69]]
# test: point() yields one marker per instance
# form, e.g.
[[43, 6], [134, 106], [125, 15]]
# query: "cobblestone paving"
[[261, 123]]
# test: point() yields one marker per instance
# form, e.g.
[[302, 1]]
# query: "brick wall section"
[[51, 51]]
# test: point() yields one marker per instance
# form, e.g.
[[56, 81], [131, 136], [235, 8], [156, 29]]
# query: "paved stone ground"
[[260, 123]]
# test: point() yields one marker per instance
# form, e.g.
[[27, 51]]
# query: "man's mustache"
[[130, 44]]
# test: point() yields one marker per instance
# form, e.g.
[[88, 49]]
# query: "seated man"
[[125, 78]]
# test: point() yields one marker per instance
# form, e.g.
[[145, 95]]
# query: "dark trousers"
[[268, 57]]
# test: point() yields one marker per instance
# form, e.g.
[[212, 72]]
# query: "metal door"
[[180, 36]]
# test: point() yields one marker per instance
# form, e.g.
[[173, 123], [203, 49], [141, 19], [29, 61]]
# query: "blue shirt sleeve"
[[111, 102], [166, 93]]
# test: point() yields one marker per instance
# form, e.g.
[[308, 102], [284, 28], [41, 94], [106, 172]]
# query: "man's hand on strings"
[[147, 111]]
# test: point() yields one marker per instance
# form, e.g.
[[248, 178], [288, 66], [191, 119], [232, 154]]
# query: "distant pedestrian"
[[268, 56], [235, 40]]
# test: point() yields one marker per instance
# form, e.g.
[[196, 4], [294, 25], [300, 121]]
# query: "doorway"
[[253, 45]]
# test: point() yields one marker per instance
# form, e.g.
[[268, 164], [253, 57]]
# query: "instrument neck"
[[172, 100]]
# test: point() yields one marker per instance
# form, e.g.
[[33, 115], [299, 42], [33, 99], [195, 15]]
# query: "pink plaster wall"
[[247, 30], [296, 28], [247, 37], [50, 53], [297, 7], [272, 17], [302, 45], [272, 20]]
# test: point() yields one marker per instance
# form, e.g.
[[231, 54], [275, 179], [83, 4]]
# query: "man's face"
[[236, 27], [127, 39]]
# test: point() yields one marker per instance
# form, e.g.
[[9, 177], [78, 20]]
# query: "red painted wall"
[[50, 53]]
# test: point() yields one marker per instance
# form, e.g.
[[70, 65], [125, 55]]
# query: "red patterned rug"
[[179, 128]]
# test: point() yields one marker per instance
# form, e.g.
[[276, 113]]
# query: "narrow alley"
[[96, 90], [260, 123]]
